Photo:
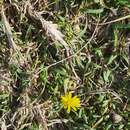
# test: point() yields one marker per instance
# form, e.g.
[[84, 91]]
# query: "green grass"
[[84, 55]]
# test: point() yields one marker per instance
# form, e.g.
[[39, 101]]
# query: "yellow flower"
[[70, 102]]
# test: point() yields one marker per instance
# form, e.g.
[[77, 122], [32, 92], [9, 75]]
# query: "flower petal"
[[70, 95], [68, 110]]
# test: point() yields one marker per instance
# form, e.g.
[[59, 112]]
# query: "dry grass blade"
[[3, 126], [52, 31], [40, 116], [116, 20], [4, 79], [50, 28], [57, 121], [13, 48], [8, 32]]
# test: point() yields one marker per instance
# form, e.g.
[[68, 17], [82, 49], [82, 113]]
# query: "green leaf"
[[122, 26], [111, 59], [106, 75], [94, 11]]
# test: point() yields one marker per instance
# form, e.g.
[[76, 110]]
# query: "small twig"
[[97, 123], [125, 105], [103, 91], [116, 20]]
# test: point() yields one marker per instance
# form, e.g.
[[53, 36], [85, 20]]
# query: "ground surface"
[[51, 47]]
